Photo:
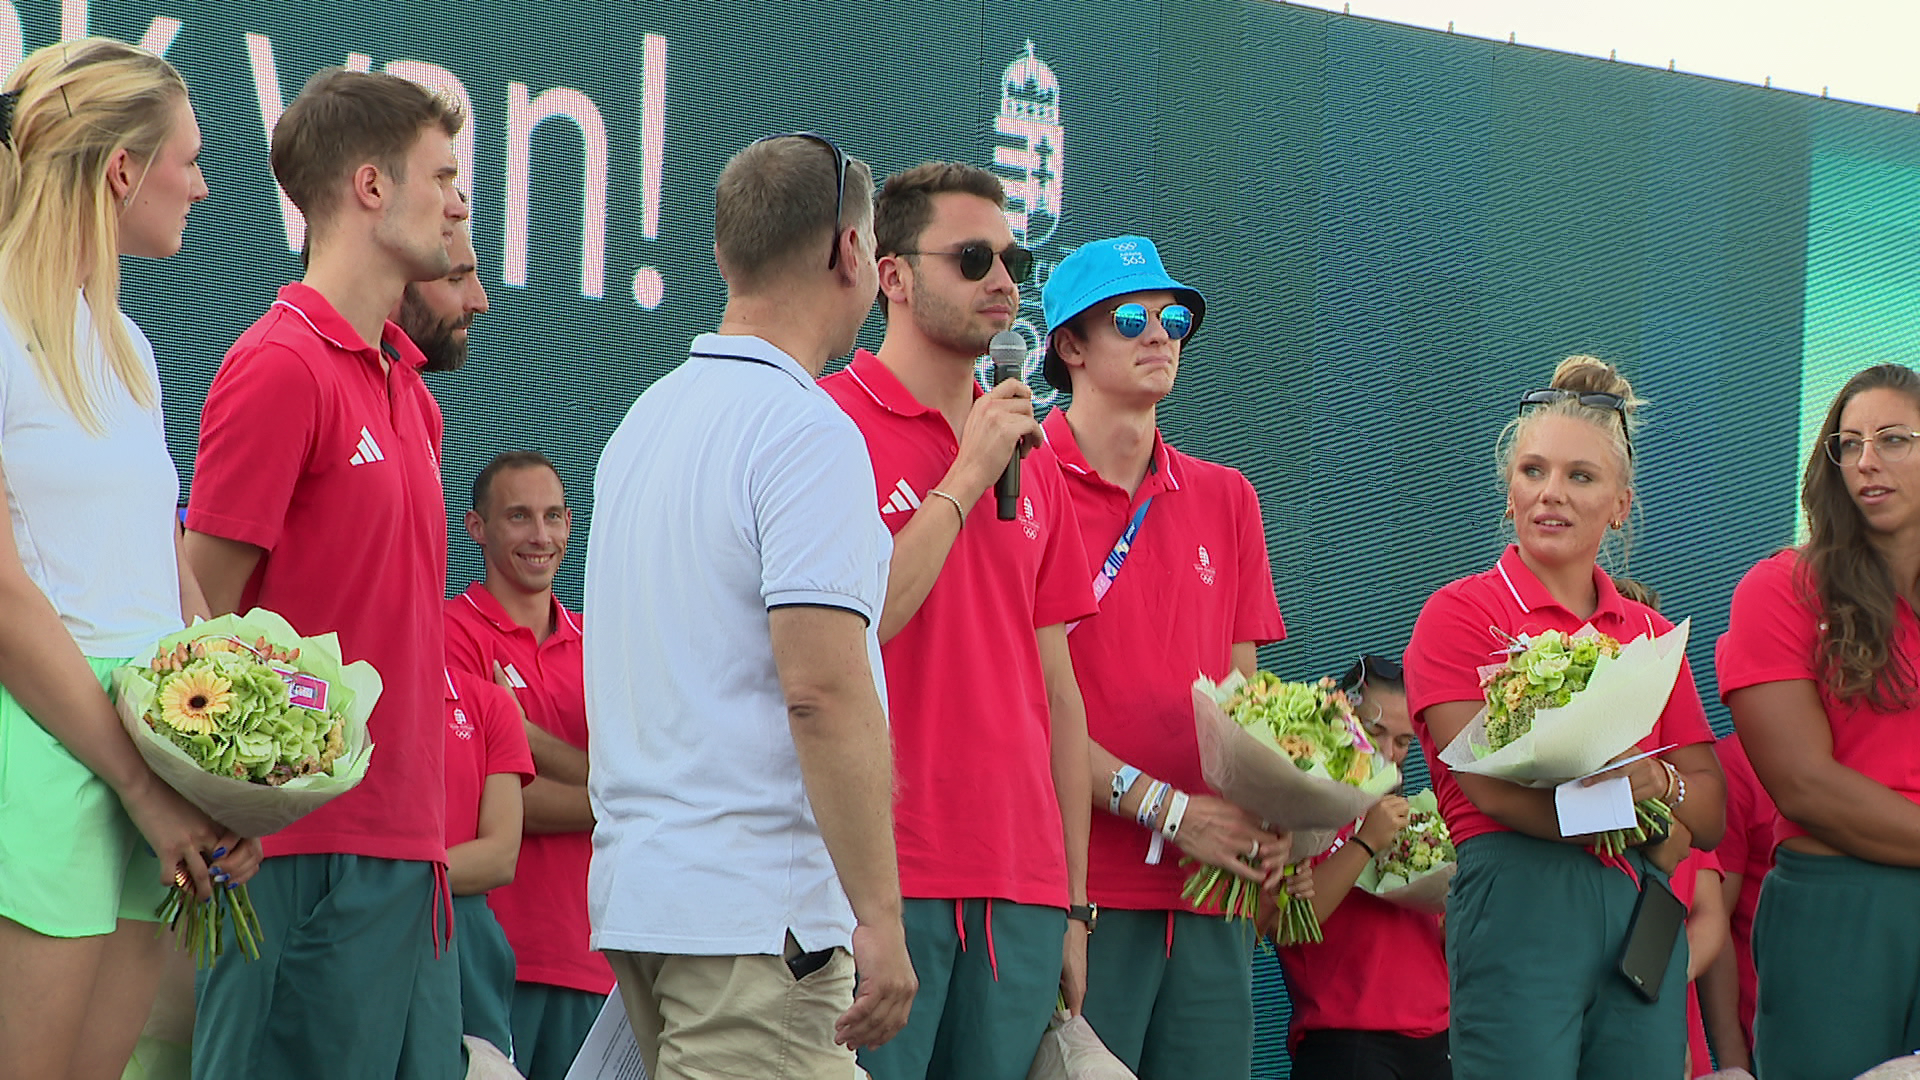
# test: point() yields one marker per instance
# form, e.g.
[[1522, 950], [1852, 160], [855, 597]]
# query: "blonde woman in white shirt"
[[98, 159]]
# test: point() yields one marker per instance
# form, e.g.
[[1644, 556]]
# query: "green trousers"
[[1171, 993], [1535, 931], [549, 1024], [347, 984], [984, 999], [1837, 944], [486, 973]]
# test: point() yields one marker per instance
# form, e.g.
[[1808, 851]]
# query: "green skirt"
[[74, 862]]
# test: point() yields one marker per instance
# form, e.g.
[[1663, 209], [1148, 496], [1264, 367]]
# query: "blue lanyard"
[[1117, 558]]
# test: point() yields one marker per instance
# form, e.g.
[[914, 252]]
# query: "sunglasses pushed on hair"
[[1592, 399], [1131, 320], [976, 260], [840, 164]]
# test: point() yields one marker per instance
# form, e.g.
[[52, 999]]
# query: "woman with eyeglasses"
[[1818, 666], [1370, 1000], [1536, 922]]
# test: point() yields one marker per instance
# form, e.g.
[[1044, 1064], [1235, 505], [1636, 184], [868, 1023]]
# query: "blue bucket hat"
[[1099, 271]]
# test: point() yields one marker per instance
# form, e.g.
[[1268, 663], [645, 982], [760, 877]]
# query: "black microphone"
[[1009, 351]]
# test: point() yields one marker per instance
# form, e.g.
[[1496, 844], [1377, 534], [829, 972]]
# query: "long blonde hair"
[[74, 105]]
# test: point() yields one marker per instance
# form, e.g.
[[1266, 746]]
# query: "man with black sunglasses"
[[1177, 555], [988, 730]]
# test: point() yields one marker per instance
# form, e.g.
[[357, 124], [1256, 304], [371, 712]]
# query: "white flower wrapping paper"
[[1619, 707], [1425, 891], [247, 808]]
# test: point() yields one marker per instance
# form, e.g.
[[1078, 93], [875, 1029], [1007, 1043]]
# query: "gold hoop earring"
[[1509, 514]]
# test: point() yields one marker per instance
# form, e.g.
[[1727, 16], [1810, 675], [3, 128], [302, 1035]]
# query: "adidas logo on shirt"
[[903, 500], [368, 451]]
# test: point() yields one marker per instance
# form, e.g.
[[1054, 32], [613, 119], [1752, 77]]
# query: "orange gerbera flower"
[[193, 698]]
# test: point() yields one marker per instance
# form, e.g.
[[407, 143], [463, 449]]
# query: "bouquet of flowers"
[[1294, 754], [1416, 868], [253, 724], [1561, 706]]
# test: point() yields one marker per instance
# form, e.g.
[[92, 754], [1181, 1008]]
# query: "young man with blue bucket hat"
[[1178, 559]]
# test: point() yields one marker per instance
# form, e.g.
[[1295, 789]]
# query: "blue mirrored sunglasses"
[[1131, 320]]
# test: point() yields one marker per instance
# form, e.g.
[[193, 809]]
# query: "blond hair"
[[773, 209], [75, 105], [1583, 375]]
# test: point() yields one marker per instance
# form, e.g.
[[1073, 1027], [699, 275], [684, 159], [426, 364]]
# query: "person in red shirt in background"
[[1819, 666], [1729, 988], [1697, 883], [989, 730], [317, 494], [510, 628], [1182, 590], [1370, 1000], [487, 763]]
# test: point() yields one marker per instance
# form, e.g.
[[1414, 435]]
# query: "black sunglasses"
[[1370, 666], [840, 161], [1592, 399], [976, 260]]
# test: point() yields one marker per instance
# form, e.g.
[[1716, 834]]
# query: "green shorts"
[[1838, 950], [486, 973], [984, 1001], [1534, 935], [1171, 993], [74, 862], [549, 1025], [348, 983]]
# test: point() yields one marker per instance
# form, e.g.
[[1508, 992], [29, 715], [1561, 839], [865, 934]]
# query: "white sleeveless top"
[[93, 515]]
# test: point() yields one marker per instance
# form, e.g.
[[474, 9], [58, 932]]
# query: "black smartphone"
[[806, 964], [1659, 918]]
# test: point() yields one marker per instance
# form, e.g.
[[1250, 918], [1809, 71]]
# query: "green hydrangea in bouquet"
[[255, 725], [1313, 727], [1414, 869]]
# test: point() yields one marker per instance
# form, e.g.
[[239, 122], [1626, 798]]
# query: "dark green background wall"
[[1398, 231]]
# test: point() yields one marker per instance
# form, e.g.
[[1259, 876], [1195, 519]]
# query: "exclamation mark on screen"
[[648, 286]]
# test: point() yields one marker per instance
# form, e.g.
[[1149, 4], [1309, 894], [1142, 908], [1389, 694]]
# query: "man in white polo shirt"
[[743, 862]]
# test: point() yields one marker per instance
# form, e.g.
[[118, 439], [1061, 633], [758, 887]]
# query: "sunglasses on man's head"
[[976, 260], [840, 163], [1131, 320]]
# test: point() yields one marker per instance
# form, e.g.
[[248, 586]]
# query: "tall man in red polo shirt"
[[511, 628], [317, 494], [1178, 555], [989, 733]]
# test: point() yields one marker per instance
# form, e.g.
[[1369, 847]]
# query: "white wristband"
[[1170, 828]]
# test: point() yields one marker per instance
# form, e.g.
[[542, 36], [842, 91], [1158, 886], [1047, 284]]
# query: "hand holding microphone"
[[1009, 351], [1000, 427]]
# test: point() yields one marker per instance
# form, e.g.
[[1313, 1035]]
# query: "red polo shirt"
[[975, 813], [1379, 967], [484, 737], [1456, 635], [1697, 869], [544, 909], [331, 466], [1773, 635], [1746, 849], [1196, 580]]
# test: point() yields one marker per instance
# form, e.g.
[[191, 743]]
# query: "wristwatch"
[[1086, 913]]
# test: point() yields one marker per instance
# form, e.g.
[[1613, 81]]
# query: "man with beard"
[[436, 314], [511, 628], [317, 495], [990, 736]]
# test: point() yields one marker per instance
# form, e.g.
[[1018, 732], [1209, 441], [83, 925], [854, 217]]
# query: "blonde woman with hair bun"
[[1536, 922], [98, 160]]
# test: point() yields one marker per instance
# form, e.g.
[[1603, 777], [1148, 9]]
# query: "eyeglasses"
[[1890, 444], [1592, 399], [840, 161], [976, 260], [1131, 320]]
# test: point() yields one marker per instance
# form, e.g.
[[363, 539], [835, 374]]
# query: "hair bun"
[[1592, 375]]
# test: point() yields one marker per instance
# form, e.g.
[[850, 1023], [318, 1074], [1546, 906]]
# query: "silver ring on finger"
[[1254, 855]]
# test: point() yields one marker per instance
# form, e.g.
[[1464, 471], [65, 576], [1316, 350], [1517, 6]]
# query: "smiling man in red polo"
[[510, 627], [990, 742], [1177, 554], [317, 494]]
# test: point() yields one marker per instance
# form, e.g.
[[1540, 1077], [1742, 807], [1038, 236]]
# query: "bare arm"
[[846, 762], [487, 861], [1337, 874], [222, 568], [1787, 737], [1072, 788], [553, 807], [1246, 658], [997, 423], [555, 759], [1707, 932], [1719, 988], [193, 603]]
